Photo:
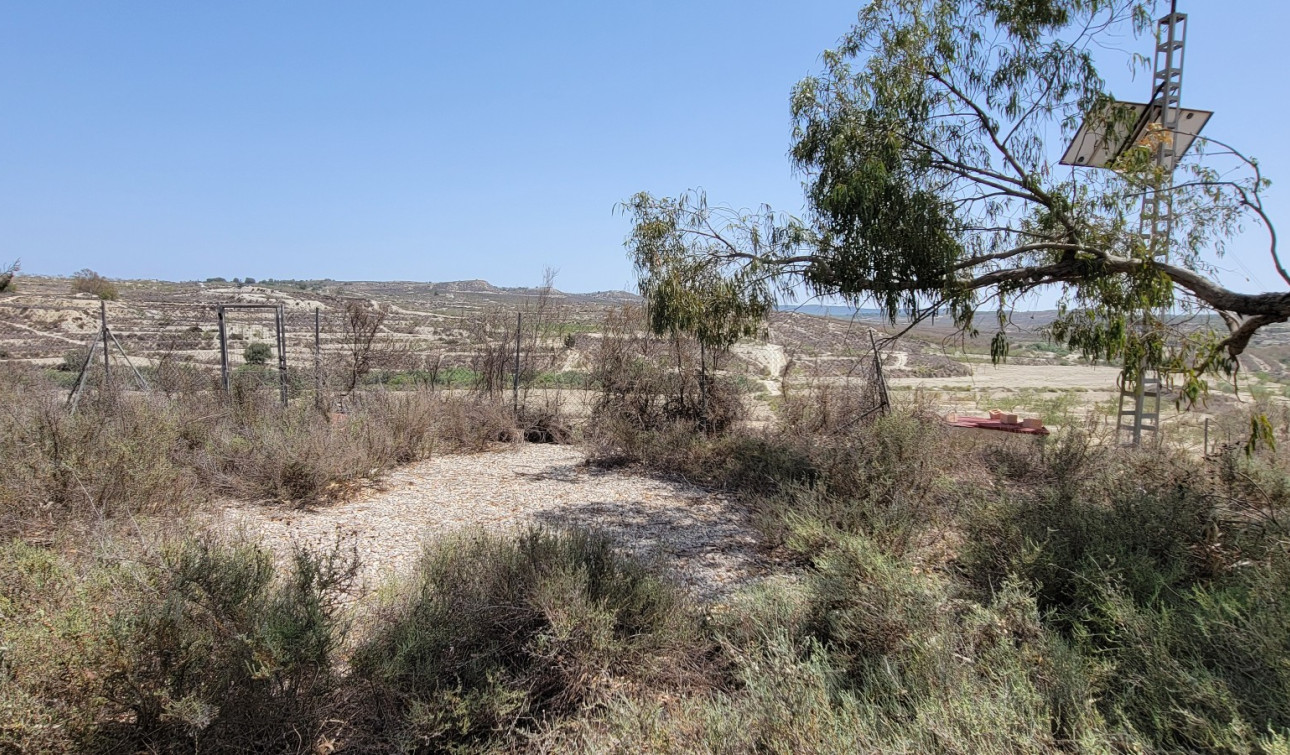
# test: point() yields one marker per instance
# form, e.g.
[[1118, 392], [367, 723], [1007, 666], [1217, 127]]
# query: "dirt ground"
[[1017, 377], [701, 538]]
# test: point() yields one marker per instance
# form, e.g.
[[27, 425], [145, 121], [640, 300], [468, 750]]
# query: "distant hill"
[[838, 311], [476, 286], [1030, 319]]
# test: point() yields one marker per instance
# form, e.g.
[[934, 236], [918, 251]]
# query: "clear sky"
[[441, 141]]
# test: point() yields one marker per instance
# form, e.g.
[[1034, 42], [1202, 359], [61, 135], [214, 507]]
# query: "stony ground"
[[701, 538]]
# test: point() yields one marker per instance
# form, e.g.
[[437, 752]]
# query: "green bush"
[[867, 654], [563, 379], [200, 650], [496, 635], [89, 282], [1135, 562], [222, 655], [257, 352]]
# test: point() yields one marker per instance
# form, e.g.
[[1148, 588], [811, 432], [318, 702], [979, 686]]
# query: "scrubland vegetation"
[[936, 592], [931, 592]]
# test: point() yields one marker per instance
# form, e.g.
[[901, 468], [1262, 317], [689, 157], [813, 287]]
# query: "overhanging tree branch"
[[926, 145]]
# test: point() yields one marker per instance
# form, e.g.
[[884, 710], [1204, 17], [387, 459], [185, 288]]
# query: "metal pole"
[[73, 399], [1139, 392], [280, 316], [317, 357], [107, 370], [703, 384], [142, 383], [519, 323], [223, 350]]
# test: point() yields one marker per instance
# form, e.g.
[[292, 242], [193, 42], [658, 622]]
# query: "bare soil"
[[702, 539]]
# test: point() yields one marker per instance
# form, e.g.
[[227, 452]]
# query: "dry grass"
[[1101, 602], [121, 455]]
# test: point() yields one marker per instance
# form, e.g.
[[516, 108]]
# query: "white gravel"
[[701, 538]]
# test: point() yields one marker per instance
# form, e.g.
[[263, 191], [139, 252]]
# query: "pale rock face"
[[768, 356]]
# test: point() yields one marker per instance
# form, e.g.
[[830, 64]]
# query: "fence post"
[[280, 315], [515, 389], [107, 369], [317, 358], [223, 350]]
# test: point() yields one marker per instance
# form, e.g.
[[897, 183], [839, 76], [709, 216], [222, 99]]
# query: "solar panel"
[[1102, 139]]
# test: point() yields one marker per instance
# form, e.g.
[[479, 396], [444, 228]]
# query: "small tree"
[[257, 353], [361, 326], [686, 295], [671, 246], [89, 282], [6, 275]]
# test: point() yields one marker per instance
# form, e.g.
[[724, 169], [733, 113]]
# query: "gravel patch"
[[701, 538]]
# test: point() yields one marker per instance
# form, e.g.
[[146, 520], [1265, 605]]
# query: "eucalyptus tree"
[[928, 144], [674, 243]]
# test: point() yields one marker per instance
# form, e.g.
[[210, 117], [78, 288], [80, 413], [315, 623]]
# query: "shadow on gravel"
[[707, 546]]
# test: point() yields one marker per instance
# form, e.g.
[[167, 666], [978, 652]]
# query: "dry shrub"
[[645, 383], [546, 422], [89, 282], [492, 361], [398, 428], [830, 462], [115, 457], [496, 635], [828, 408], [204, 647], [647, 396], [474, 423], [125, 454], [361, 346], [302, 456], [293, 455]]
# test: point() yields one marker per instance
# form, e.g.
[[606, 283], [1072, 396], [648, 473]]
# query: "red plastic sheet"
[[985, 423]]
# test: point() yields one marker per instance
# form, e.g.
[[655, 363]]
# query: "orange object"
[[983, 423]]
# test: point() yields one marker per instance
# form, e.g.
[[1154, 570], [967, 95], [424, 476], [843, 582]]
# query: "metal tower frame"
[[1155, 223]]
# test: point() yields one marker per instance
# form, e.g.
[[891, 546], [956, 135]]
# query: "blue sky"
[[429, 141]]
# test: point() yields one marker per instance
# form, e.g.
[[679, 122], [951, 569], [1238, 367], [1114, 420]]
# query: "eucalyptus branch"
[[1256, 204], [991, 130]]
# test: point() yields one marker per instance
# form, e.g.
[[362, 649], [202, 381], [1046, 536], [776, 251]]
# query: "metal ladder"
[[1155, 223], [1143, 412]]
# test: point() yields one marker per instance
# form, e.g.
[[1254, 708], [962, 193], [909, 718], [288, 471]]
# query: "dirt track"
[[1006, 376], [702, 539]]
